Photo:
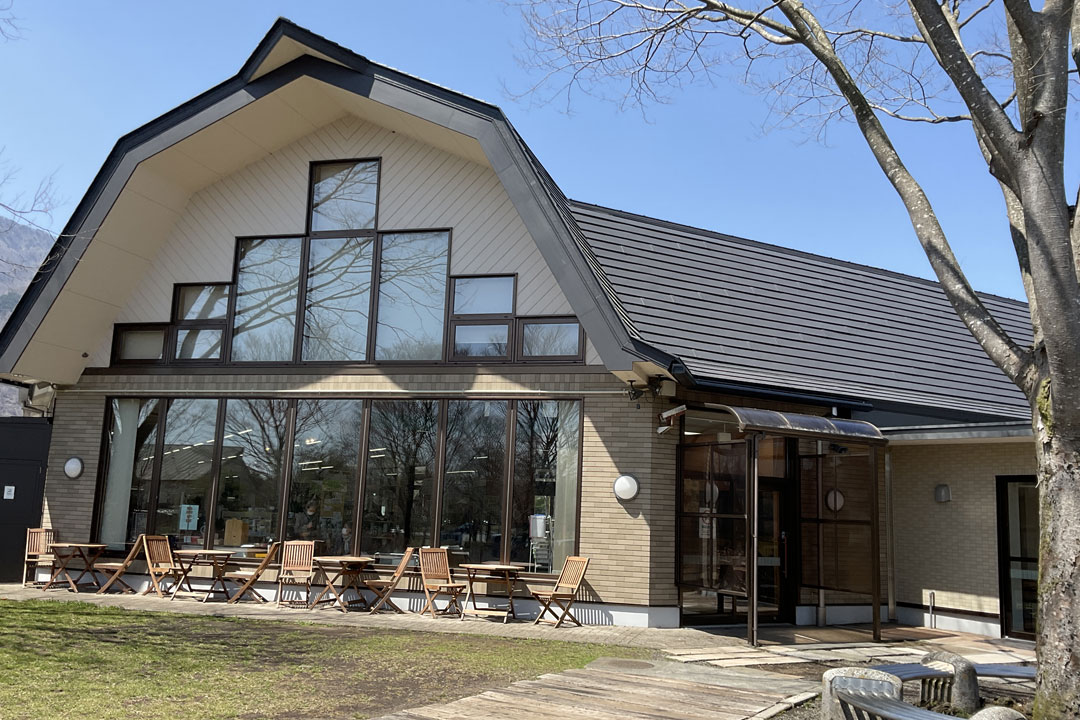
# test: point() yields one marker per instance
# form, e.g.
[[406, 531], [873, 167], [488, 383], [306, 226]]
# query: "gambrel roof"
[[712, 310]]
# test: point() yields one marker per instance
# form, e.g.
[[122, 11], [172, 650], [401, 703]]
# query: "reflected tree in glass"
[[343, 196], [266, 299], [252, 453], [338, 299], [325, 451], [412, 296], [474, 479], [400, 475], [547, 450], [188, 451]]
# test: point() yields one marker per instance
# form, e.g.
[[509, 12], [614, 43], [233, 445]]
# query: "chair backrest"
[[38, 540], [403, 565], [573, 572], [271, 553], [158, 551], [434, 565], [297, 556]]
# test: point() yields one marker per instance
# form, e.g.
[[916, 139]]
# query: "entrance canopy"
[[811, 426]]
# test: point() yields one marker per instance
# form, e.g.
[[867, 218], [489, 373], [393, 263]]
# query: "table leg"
[[185, 571], [468, 593], [510, 582], [88, 567], [62, 563], [351, 579]]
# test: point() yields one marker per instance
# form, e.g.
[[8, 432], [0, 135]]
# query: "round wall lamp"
[[73, 467], [626, 487], [834, 500]]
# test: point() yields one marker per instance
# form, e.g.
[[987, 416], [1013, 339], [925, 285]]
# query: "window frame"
[[456, 319], [120, 328], [347, 232], [177, 324], [359, 480], [519, 349]]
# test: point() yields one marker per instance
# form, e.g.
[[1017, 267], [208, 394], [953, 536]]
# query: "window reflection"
[[412, 296], [484, 296], [184, 490], [266, 299], [400, 476], [131, 463], [474, 480], [249, 488], [551, 339], [198, 344], [343, 196], [203, 302], [545, 494], [338, 298], [322, 490], [481, 340]]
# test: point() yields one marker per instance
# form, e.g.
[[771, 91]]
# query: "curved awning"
[[813, 426]]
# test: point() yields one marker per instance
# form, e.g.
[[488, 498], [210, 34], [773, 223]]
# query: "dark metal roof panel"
[[741, 310]]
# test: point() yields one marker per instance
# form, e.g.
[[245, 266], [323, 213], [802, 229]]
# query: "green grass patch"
[[75, 660]]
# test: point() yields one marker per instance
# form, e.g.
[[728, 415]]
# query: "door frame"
[[1004, 558]]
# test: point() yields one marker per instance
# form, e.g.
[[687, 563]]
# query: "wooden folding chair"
[[439, 580], [297, 568], [563, 594], [160, 563], [246, 579], [37, 555], [385, 587], [119, 568]]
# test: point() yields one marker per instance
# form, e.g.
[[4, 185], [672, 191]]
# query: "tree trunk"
[[1057, 694]]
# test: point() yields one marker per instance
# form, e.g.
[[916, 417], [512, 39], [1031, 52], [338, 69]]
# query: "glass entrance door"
[[775, 552], [1018, 554]]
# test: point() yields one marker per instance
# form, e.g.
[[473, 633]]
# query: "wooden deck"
[[600, 692]]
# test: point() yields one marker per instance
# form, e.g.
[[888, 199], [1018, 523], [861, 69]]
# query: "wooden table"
[[214, 559], [65, 553], [492, 574], [349, 569]]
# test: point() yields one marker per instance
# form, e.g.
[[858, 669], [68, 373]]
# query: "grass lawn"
[[75, 660]]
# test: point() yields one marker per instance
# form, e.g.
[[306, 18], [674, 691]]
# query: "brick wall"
[[951, 548]]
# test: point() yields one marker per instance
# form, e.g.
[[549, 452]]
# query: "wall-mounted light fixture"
[[625, 487], [942, 493], [834, 500], [73, 467]]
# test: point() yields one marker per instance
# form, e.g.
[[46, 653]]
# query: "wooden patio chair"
[[161, 565], [246, 579], [438, 580], [563, 594], [38, 555], [297, 569], [385, 587], [119, 568]]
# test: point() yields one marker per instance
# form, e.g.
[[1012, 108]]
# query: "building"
[[326, 299]]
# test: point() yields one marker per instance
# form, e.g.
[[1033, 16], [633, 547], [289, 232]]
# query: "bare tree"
[[1002, 68]]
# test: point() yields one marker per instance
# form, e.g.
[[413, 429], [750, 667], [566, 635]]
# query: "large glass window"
[[343, 196], [412, 296], [187, 457], [322, 491], [474, 480], [267, 281], [400, 476], [249, 486], [126, 500], [338, 299], [543, 520]]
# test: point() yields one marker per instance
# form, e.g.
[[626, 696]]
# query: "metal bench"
[[871, 694]]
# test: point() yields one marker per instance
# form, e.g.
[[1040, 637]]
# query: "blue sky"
[[84, 74]]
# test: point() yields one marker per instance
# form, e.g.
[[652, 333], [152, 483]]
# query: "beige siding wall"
[[420, 187], [631, 545], [951, 548]]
